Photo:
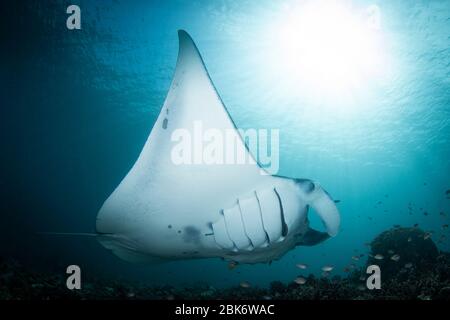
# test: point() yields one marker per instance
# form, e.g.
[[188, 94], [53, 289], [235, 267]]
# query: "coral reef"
[[402, 248]]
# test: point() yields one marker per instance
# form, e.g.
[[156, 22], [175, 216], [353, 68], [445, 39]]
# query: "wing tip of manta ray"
[[183, 33], [185, 37]]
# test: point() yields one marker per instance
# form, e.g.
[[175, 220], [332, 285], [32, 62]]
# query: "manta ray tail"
[[77, 234]]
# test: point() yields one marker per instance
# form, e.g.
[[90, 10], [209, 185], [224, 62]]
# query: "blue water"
[[77, 107]]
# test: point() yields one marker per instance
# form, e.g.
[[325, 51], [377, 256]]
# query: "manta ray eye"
[[306, 185]]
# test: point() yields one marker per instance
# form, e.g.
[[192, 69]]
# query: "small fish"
[[361, 288], [346, 269], [444, 226], [408, 265], [301, 266], [390, 252], [232, 265], [245, 284], [267, 298], [327, 268], [361, 255], [415, 225], [424, 297], [379, 257], [337, 201], [362, 278], [426, 236], [370, 218], [425, 213], [356, 258], [442, 214], [409, 239], [447, 192], [325, 274], [395, 257], [300, 280]]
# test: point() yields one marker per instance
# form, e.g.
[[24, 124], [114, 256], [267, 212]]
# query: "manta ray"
[[164, 210]]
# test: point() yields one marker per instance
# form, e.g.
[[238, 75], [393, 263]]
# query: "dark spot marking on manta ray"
[[191, 234], [179, 231], [164, 125], [169, 226]]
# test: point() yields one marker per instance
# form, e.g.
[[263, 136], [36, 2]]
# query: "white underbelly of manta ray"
[[181, 211]]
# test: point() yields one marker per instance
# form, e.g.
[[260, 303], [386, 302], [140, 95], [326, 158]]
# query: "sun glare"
[[327, 47]]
